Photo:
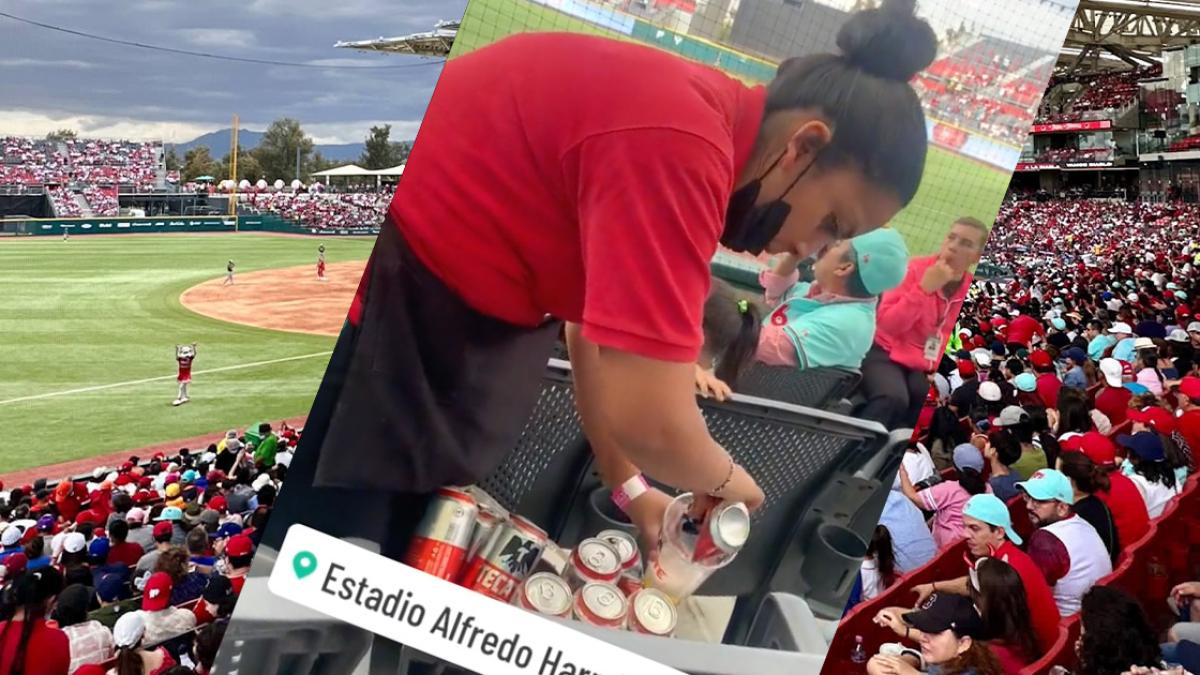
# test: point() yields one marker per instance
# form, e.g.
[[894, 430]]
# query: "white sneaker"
[[177, 402]]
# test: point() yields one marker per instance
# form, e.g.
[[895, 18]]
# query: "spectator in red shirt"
[[1189, 403], [1021, 331], [120, 550], [1122, 497], [1113, 399], [1048, 382], [990, 534], [29, 645], [913, 324], [217, 601], [238, 553], [529, 208]]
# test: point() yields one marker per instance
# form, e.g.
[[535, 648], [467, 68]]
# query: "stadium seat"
[[949, 564], [814, 387], [1063, 651]]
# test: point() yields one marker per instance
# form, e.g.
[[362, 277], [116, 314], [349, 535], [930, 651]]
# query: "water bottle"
[[859, 653]]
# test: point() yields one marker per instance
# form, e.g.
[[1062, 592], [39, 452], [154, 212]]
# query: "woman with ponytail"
[[879, 566], [1088, 479], [731, 330], [28, 645], [132, 659]]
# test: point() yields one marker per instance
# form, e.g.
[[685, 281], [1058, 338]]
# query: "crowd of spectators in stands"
[[102, 199], [1099, 97], [323, 209], [27, 161], [140, 563], [1060, 428], [63, 200]]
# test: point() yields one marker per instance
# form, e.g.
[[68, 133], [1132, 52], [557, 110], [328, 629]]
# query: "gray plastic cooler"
[[825, 477]]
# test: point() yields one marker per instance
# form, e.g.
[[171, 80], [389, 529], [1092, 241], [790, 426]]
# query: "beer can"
[[443, 536], [601, 604], [630, 584], [627, 549], [652, 612], [724, 532], [485, 522], [546, 593], [593, 560], [484, 499], [507, 559]]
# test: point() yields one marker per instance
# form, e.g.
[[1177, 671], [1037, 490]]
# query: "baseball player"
[[228, 274], [321, 263]]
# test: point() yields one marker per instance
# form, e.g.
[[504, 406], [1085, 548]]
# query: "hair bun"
[[889, 42]]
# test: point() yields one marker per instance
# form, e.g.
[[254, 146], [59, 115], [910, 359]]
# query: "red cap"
[[145, 482], [1190, 387], [218, 503], [1183, 311], [127, 466], [157, 594], [978, 341], [239, 545], [985, 326], [27, 488], [143, 497], [88, 516], [1040, 358], [123, 479], [999, 323], [216, 475], [1154, 417], [162, 529], [966, 368], [1098, 447]]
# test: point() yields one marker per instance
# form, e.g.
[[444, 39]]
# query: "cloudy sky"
[[50, 80]]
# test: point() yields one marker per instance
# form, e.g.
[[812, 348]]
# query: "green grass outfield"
[[100, 310], [953, 185]]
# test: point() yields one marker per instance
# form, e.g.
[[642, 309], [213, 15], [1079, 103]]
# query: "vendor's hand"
[[923, 592], [889, 617], [741, 488], [646, 512], [938, 275], [1191, 588], [710, 386]]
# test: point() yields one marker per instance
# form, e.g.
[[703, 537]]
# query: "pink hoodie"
[[908, 316]]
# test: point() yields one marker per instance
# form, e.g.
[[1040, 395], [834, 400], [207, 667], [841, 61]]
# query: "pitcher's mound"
[[289, 299]]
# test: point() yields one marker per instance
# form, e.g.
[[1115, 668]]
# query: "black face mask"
[[749, 227]]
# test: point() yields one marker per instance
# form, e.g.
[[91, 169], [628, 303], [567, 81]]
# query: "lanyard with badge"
[[933, 343]]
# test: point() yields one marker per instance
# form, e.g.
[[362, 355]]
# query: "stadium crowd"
[[1055, 458], [26, 161], [323, 209], [135, 569], [1099, 96]]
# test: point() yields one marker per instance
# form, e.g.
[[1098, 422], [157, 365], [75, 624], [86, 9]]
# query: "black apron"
[[433, 393]]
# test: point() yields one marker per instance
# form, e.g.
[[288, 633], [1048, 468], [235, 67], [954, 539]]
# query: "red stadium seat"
[[1122, 428], [1063, 651]]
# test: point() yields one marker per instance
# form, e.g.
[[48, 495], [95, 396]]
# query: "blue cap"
[[1137, 389], [1058, 323], [98, 548], [111, 587], [189, 476], [1049, 484], [989, 509], [1106, 296], [882, 259], [967, 456], [1026, 382], [1145, 444], [227, 530], [171, 513], [1076, 354]]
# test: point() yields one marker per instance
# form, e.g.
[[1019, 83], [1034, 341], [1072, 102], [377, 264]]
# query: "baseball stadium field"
[[88, 329]]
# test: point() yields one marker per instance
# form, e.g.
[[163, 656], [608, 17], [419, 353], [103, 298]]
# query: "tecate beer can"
[[724, 532], [546, 593], [554, 559], [630, 584], [593, 560], [485, 523], [507, 559], [440, 544], [652, 612], [627, 549], [601, 604]]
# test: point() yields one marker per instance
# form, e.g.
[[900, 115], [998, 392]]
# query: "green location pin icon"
[[305, 563]]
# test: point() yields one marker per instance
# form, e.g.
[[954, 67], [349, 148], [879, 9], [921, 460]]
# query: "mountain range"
[[217, 143]]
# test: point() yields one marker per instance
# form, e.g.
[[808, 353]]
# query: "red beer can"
[[652, 612], [629, 584], [724, 532], [486, 521], [593, 560], [601, 604], [627, 549], [507, 558], [546, 593], [440, 544]]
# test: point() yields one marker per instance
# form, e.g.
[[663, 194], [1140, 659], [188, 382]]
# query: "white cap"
[[74, 542], [56, 543], [989, 391], [136, 515], [1178, 335], [1133, 297], [1143, 343], [982, 357], [1194, 327], [1121, 327], [1112, 370], [129, 630], [12, 536]]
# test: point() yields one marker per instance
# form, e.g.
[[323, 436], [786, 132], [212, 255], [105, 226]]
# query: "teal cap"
[[1049, 484], [882, 259], [1026, 382], [989, 509]]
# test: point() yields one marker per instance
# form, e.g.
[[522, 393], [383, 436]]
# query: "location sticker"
[[304, 563]]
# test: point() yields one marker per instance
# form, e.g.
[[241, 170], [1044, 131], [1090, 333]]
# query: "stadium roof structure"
[[1110, 35], [435, 43], [353, 170]]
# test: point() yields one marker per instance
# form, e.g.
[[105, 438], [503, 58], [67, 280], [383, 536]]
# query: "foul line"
[[114, 385]]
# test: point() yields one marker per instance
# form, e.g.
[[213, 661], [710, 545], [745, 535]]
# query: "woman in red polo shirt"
[[28, 644], [564, 177]]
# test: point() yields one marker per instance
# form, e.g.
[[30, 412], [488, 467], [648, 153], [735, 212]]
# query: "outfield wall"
[[158, 225]]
